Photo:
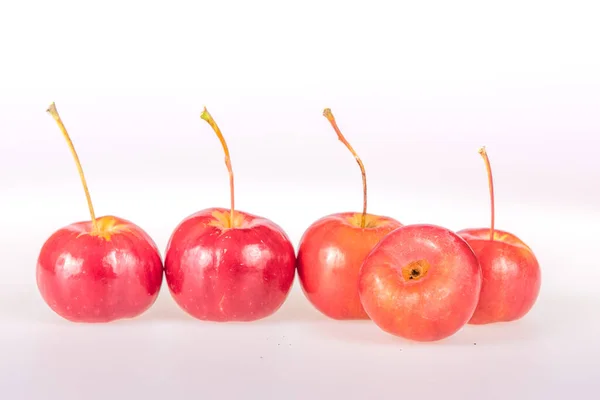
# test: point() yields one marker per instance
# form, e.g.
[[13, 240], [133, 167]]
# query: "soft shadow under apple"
[[295, 309], [541, 324]]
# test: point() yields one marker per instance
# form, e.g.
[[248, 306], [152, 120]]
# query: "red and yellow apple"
[[421, 282], [511, 272], [334, 247], [227, 265], [100, 270]]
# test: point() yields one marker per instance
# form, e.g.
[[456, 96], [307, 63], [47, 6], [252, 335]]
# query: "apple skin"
[[94, 279], [511, 276], [224, 274], [439, 301], [330, 255]]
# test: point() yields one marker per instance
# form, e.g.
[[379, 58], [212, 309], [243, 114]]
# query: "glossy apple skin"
[[223, 275], [511, 276], [330, 255], [433, 307], [92, 279]]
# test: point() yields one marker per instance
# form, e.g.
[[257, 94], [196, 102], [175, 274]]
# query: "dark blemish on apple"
[[474, 344], [413, 274]]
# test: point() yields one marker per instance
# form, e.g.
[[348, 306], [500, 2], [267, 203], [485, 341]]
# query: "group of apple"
[[419, 282]]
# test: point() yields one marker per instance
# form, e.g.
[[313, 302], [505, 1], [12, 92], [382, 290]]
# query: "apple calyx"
[[54, 113], [488, 167], [415, 270], [329, 115], [231, 221]]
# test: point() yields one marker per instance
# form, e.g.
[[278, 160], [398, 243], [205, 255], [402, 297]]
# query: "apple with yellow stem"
[[333, 249], [100, 270], [227, 265], [511, 272]]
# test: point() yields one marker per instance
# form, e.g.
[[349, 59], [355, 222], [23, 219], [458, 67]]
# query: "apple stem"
[[54, 113], [491, 184], [329, 115], [208, 118]]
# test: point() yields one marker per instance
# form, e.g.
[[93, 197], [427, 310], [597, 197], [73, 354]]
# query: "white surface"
[[415, 90], [297, 353]]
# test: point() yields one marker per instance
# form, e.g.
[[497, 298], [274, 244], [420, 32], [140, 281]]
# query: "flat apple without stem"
[[225, 265], [334, 247], [100, 270], [421, 282], [511, 272]]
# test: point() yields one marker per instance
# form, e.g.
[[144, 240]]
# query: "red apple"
[[421, 282], [221, 273], [332, 250], [100, 270], [511, 273], [226, 265]]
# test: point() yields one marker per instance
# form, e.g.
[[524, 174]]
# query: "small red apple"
[[226, 265], [100, 270], [334, 247], [511, 273], [421, 282]]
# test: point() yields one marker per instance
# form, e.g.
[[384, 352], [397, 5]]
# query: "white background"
[[416, 88]]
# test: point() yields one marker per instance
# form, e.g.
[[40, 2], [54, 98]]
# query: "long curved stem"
[[54, 113], [329, 115], [208, 118], [486, 160]]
